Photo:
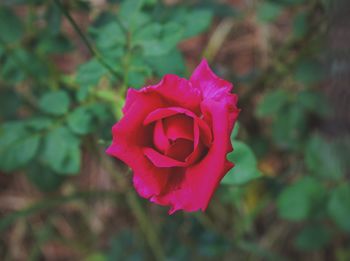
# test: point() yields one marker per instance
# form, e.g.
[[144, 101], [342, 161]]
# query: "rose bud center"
[[180, 138]]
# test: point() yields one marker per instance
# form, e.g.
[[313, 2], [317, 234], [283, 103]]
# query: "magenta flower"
[[175, 137]]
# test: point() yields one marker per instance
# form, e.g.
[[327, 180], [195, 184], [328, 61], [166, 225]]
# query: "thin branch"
[[145, 224], [86, 41]]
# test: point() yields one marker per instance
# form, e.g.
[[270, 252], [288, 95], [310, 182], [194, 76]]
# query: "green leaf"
[[61, 151], [339, 206], [268, 12], [300, 25], [17, 146], [10, 70], [56, 44], [43, 178], [313, 237], [39, 123], [245, 168], [88, 76], [80, 121], [147, 33], [235, 130], [272, 103], [130, 8], [138, 70], [314, 102], [110, 36], [289, 127], [170, 35], [172, 62], [131, 16], [308, 72], [196, 22], [53, 18], [10, 26], [136, 79], [10, 102], [290, 2], [301, 199], [55, 103], [322, 159]]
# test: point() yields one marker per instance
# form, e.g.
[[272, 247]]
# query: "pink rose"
[[175, 137]]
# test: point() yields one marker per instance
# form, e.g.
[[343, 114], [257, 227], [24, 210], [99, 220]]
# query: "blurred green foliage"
[[50, 118]]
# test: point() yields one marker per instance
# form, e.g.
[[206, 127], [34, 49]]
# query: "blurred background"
[[64, 69]]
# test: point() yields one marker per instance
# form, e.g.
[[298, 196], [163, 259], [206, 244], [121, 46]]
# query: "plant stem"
[[146, 226], [86, 41]]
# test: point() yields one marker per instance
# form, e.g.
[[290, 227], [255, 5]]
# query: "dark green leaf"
[[110, 36], [172, 62], [301, 199], [235, 131], [171, 34], [88, 76], [61, 151], [56, 44], [39, 123], [131, 16], [300, 25], [147, 33], [268, 11], [245, 168], [314, 102], [309, 72], [43, 178], [15, 68], [10, 102], [55, 103], [339, 206], [272, 103], [196, 22], [80, 121], [11, 28], [289, 127], [322, 159], [313, 237], [53, 18], [290, 2], [17, 146]]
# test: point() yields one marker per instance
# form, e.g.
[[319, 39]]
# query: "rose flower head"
[[175, 136]]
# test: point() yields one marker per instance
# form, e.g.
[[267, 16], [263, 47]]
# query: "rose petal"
[[179, 126], [162, 113], [180, 149], [162, 161], [177, 91], [131, 96], [130, 136], [161, 141], [212, 87], [199, 151]]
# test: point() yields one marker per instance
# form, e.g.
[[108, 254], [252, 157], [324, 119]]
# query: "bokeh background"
[[64, 69]]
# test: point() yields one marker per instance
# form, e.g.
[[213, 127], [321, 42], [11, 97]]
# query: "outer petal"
[[212, 87], [197, 185], [130, 136], [178, 92]]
